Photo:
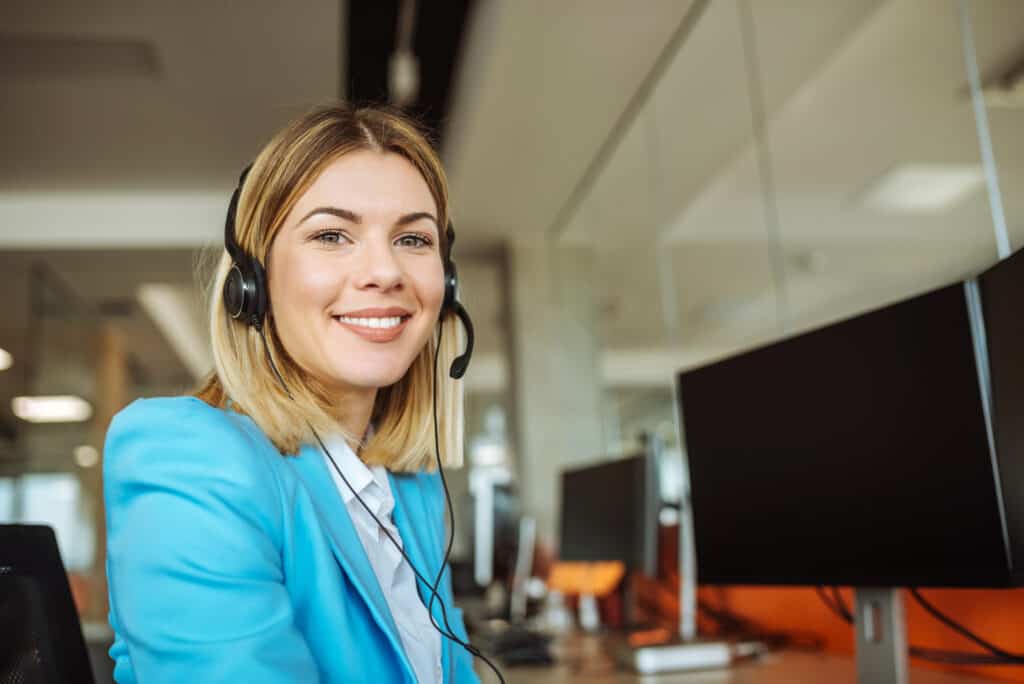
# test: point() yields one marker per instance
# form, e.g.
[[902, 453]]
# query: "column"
[[555, 375], [110, 397]]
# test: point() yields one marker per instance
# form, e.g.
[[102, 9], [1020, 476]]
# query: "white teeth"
[[372, 322]]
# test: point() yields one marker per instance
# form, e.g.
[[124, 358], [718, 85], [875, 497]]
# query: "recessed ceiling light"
[[52, 409], [923, 188], [86, 456], [6, 360]]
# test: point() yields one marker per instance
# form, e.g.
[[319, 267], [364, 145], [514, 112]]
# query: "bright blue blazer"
[[228, 562]]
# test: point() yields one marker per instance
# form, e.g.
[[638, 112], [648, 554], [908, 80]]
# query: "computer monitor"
[[1001, 290], [610, 513], [864, 453], [507, 514]]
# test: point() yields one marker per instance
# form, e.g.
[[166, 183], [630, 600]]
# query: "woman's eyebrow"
[[404, 220], [415, 216], [334, 211]]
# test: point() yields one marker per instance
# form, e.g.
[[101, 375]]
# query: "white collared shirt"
[[421, 641]]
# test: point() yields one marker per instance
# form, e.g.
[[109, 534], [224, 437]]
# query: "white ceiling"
[[542, 85], [229, 74], [99, 155]]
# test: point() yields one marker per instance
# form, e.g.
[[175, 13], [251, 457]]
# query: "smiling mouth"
[[374, 329], [384, 323]]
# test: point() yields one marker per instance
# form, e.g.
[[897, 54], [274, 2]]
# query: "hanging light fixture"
[[404, 67]]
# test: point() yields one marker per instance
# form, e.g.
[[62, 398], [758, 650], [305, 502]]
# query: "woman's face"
[[356, 280]]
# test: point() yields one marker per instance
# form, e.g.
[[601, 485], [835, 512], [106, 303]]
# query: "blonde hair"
[[403, 413]]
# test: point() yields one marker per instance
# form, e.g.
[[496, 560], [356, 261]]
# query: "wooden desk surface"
[[584, 659]]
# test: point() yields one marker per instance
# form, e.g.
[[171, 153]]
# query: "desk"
[[584, 659]]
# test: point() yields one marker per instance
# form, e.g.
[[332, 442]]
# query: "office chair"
[[40, 636]]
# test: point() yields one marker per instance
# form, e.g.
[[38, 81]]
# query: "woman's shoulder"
[[161, 411], [186, 418], [182, 429], [191, 451]]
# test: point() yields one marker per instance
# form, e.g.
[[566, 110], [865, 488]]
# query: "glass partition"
[[793, 164]]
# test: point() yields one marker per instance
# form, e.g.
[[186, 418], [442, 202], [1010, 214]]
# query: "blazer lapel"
[[345, 542], [419, 530]]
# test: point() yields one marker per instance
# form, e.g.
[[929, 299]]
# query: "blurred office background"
[[638, 188]]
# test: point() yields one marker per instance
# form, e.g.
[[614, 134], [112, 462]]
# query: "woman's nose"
[[379, 268]]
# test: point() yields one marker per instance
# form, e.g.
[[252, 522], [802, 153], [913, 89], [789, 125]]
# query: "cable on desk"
[[1013, 658], [732, 623], [838, 606]]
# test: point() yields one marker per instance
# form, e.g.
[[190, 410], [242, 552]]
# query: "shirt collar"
[[356, 472], [369, 483]]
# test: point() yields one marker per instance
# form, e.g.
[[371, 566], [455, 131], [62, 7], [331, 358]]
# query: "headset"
[[246, 299]]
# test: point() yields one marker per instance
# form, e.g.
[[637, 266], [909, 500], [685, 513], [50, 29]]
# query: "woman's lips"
[[375, 334]]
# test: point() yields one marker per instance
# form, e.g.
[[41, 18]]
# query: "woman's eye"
[[413, 241], [331, 237]]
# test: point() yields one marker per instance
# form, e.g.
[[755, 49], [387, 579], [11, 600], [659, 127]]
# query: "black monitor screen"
[[507, 513], [1002, 297], [856, 454], [610, 512]]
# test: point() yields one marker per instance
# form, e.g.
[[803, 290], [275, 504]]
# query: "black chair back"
[[40, 636]]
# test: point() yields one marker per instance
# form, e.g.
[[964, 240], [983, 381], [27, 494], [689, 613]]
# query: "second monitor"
[[610, 513]]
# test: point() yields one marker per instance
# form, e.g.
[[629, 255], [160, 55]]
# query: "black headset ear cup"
[[245, 288], [451, 286], [235, 292], [451, 274], [245, 293], [260, 297]]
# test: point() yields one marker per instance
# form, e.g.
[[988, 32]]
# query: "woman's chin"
[[369, 379]]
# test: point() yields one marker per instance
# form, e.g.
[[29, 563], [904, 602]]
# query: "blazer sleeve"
[[194, 523]]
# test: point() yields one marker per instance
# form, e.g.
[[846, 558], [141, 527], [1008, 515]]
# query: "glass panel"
[[995, 26], [871, 152], [56, 500], [684, 275], [6, 499]]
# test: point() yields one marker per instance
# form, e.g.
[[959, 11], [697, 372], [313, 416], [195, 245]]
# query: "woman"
[[253, 530]]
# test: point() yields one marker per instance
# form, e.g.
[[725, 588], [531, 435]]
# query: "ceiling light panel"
[[63, 408], [923, 188]]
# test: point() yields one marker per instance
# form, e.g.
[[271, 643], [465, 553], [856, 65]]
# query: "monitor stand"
[[881, 636], [688, 651]]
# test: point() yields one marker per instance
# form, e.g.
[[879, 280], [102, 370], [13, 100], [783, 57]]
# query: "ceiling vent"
[[33, 57]]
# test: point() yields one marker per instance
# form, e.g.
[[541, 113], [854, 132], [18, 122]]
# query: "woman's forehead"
[[368, 181]]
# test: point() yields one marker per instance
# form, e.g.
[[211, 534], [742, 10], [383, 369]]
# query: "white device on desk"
[[691, 655]]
